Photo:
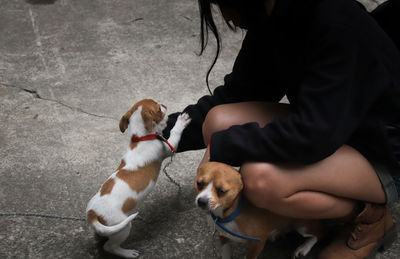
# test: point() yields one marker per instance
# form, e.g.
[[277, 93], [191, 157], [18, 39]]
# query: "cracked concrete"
[[38, 96], [68, 71]]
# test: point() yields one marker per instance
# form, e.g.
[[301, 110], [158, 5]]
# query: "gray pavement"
[[68, 71]]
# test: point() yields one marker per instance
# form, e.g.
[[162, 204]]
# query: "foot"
[[372, 230], [125, 253]]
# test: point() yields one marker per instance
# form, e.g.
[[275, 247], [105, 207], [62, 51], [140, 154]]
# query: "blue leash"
[[219, 221]]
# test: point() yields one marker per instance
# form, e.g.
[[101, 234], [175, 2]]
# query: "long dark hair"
[[249, 11]]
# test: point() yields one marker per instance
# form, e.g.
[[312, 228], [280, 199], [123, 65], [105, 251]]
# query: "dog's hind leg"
[[312, 230], [305, 248], [113, 245], [311, 240]]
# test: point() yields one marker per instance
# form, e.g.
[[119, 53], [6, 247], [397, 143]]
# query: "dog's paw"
[[305, 248], [183, 120], [125, 253], [130, 253], [301, 252], [133, 253], [297, 256]]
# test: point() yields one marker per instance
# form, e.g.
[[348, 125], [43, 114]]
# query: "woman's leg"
[[327, 189]]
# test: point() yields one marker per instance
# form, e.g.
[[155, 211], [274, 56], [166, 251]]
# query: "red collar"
[[151, 137]]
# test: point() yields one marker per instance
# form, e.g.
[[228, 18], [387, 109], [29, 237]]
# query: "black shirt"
[[340, 72]]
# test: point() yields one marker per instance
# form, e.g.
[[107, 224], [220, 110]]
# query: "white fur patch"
[[136, 124], [144, 153]]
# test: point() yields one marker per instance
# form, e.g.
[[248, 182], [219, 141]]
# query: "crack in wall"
[[38, 96]]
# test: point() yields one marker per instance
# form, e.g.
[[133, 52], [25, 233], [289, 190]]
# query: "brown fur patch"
[[107, 187], [133, 144], [121, 165], [128, 205], [138, 180], [92, 217], [102, 220]]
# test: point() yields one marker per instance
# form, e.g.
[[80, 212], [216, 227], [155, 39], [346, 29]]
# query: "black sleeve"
[[192, 137], [387, 16], [237, 88], [341, 82]]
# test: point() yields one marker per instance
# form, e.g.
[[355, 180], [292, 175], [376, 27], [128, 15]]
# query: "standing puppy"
[[110, 211], [219, 188]]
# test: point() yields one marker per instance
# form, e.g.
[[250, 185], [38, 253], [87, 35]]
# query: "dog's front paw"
[[301, 252], [176, 132], [183, 120]]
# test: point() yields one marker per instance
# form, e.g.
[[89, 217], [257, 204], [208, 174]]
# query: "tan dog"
[[110, 211], [219, 188]]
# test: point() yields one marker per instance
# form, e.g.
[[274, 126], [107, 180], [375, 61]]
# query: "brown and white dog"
[[219, 188], [110, 211]]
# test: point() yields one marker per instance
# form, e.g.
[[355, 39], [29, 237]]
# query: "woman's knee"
[[223, 116], [263, 184], [217, 119]]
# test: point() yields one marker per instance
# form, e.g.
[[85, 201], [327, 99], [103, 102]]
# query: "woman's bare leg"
[[327, 189]]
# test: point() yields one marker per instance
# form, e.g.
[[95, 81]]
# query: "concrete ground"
[[68, 71]]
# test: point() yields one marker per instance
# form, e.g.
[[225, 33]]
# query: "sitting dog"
[[110, 211], [219, 188]]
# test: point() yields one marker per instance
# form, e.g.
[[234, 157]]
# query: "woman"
[[334, 152]]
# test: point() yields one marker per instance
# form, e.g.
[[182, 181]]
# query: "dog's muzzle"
[[202, 202]]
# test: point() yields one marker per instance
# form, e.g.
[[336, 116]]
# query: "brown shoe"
[[373, 229]]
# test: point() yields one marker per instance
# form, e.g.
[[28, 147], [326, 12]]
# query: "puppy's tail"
[[104, 230]]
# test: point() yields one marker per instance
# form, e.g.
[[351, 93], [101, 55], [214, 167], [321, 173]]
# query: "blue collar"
[[219, 221]]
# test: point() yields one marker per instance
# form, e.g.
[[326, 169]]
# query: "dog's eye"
[[220, 192], [200, 185]]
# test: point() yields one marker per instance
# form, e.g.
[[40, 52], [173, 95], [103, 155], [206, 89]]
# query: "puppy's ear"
[[148, 121], [123, 123]]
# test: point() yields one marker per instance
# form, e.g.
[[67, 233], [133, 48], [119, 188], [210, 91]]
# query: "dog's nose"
[[202, 202]]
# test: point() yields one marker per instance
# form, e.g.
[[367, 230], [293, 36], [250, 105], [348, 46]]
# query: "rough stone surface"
[[68, 71]]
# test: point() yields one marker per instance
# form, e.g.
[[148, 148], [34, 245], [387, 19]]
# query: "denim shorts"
[[390, 180]]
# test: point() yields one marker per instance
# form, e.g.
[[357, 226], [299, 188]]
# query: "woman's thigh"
[[346, 173]]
